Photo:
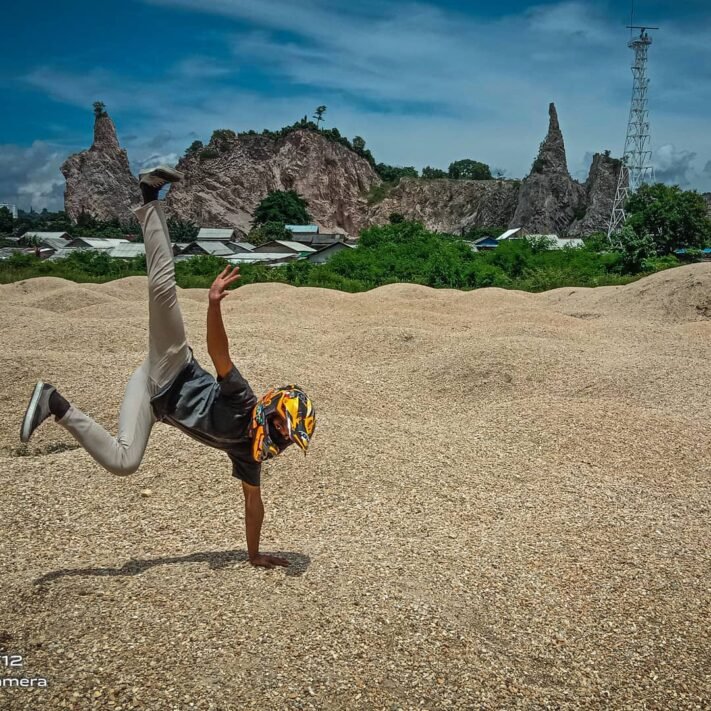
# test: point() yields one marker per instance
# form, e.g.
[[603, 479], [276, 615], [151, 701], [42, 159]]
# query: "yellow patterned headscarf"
[[293, 405]]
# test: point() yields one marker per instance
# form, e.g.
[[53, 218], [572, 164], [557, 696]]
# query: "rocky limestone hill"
[[549, 199], [223, 191], [226, 180], [451, 206], [99, 180]]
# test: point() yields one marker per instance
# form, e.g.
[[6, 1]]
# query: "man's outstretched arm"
[[217, 344], [253, 517]]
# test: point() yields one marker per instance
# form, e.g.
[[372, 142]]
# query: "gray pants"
[[168, 353]]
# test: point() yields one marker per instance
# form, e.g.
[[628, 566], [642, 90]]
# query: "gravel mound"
[[506, 505]]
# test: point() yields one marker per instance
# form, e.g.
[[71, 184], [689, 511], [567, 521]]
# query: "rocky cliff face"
[[99, 181], [600, 189], [549, 199], [224, 190], [451, 206]]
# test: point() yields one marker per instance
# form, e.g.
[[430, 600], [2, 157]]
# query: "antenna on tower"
[[636, 166]]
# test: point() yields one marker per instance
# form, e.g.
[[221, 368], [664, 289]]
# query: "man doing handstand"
[[171, 387]]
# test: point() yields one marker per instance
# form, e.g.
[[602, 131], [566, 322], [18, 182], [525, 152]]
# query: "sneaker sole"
[[26, 429]]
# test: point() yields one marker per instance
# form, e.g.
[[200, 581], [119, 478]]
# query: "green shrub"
[[208, 154]]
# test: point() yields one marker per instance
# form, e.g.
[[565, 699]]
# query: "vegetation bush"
[[284, 206], [673, 218], [468, 169]]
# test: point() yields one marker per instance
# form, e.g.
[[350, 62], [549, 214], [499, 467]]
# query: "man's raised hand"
[[218, 290]]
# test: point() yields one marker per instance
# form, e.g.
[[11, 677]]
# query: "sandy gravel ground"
[[506, 505]]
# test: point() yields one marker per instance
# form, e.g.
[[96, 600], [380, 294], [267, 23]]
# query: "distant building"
[[325, 253], [484, 243], [56, 240], [555, 242], [128, 251], [285, 247], [12, 208], [303, 229], [96, 243], [314, 237], [63, 253], [269, 259], [515, 233], [214, 233], [214, 247], [240, 246]]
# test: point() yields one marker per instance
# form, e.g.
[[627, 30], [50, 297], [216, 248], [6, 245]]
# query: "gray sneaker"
[[37, 411], [159, 176]]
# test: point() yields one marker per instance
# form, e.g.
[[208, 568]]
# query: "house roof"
[[483, 240], [214, 247], [219, 233], [127, 251], [320, 239], [241, 246], [296, 246], [339, 245], [336, 244], [54, 242], [559, 242], [100, 242], [251, 257], [302, 228], [48, 235], [63, 253], [509, 233]]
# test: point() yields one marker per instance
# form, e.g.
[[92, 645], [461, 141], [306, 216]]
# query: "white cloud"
[[30, 177], [422, 85]]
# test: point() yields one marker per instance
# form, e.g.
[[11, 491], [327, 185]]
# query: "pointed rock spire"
[[105, 137], [99, 181], [551, 156], [549, 199]]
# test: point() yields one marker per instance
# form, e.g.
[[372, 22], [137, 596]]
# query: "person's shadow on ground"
[[298, 563]]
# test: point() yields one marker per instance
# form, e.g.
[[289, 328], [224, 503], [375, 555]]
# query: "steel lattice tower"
[[637, 157]]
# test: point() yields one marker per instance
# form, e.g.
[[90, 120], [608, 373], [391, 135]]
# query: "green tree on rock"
[[467, 169], [222, 138], [673, 218], [318, 115], [193, 148], [393, 173], [285, 206], [268, 232], [429, 173]]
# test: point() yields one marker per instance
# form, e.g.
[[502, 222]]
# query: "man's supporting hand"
[[268, 561], [253, 517]]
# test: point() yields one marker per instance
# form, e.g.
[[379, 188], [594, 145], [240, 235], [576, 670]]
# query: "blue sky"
[[425, 83]]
